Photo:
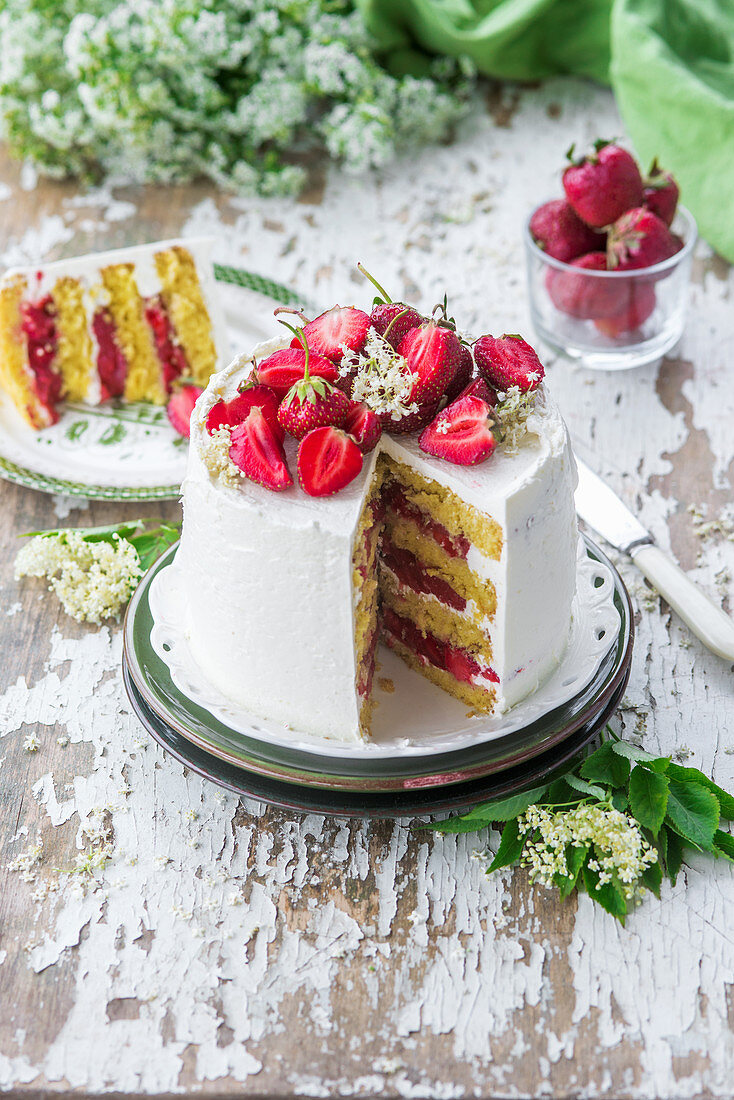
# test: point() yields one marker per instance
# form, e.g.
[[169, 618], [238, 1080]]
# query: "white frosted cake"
[[466, 571]]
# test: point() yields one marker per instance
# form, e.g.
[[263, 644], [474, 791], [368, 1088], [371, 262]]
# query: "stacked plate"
[[427, 754]]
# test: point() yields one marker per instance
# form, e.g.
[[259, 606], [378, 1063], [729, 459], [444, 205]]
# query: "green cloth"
[[670, 62]]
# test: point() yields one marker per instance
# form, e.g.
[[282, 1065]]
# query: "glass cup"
[[611, 320]]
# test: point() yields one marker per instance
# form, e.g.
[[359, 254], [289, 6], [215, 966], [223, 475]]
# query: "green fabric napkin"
[[670, 62]]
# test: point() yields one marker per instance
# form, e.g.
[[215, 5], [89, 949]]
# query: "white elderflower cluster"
[[26, 863], [513, 409], [382, 380], [93, 580], [619, 848], [96, 832], [151, 91], [215, 456]]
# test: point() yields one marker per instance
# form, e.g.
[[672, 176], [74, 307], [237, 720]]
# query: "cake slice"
[[127, 324]]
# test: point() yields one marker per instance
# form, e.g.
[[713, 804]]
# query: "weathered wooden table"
[[227, 948]]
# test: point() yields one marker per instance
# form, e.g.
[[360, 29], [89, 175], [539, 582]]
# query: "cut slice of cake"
[[466, 571], [127, 324]]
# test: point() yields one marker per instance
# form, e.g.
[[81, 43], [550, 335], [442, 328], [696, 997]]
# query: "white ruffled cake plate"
[[418, 730]]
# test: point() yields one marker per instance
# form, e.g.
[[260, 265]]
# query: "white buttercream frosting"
[[267, 576]]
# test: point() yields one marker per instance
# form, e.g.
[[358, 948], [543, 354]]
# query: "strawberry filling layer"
[[458, 662], [410, 572], [170, 353], [111, 361], [367, 671], [455, 546], [39, 326], [377, 514]]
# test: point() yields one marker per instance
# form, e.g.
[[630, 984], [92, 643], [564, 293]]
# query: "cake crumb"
[[386, 684]]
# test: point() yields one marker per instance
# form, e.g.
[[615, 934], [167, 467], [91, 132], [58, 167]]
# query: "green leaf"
[[674, 857], [558, 793], [455, 825], [662, 845], [620, 801], [652, 877], [724, 844], [609, 896], [511, 846], [105, 533], [586, 788], [151, 544], [693, 812], [693, 775], [505, 808], [638, 755], [575, 859], [648, 798], [606, 766]]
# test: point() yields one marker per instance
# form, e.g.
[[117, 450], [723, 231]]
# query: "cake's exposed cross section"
[[129, 324]]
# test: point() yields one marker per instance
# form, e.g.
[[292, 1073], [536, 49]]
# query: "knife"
[[601, 508]]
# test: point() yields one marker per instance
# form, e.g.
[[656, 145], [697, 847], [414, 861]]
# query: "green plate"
[[113, 451], [154, 688]]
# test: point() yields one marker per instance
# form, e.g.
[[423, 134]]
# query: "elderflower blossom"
[[619, 849], [382, 380], [215, 455], [93, 580], [513, 409], [151, 91], [26, 863]]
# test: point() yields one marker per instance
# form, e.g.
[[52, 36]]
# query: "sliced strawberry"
[[230, 413], [639, 306], [508, 361], [258, 452], [180, 407], [285, 367], [340, 325], [462, 375], [328, 459], [460, 433], [393, 320], [479, 388], [582, 296], [314, 405], [363, 425], [433, 353]]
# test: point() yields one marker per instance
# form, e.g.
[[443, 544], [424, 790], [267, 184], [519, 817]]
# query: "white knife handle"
[[707, 621]]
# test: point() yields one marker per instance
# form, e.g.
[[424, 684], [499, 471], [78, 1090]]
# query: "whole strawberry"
[[558, 230], [660, 193], [462, 376], [639, 305], [391, 319], [311, 403], [583, 296], [432, 353], [461, 433], [602, 185], [363, 425], [507, 361], [639, 239]]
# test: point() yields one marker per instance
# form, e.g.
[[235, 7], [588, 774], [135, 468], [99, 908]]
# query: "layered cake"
[[454, 546], [129, 324]]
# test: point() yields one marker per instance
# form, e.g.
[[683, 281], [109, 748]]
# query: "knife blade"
[[601, 508]]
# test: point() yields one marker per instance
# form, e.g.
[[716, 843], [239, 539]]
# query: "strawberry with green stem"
[[391, 319], [311, 402]]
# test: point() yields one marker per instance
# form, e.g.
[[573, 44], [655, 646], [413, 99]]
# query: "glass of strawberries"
[[609, 264]]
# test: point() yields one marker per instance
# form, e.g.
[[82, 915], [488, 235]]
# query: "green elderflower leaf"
[[693, 813], [648, 798], [693, 775], [674, 853], [151, 544], [512, 843], [608, 894], [724, 844], [639, 756], [652, 878], [575, 859], [606, 766], [506, 808], [590, 789]]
